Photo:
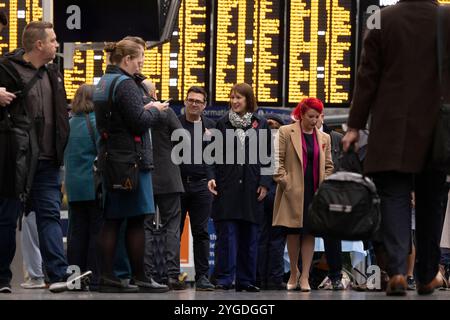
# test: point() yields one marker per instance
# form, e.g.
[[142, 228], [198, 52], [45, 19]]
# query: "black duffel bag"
[[346, 206]]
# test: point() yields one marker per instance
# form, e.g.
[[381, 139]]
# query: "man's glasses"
[[193, 101]]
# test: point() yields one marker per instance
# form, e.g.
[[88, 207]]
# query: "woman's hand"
[[262, 193], [212, 187]]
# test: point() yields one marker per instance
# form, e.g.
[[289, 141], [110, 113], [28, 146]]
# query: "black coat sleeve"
[[131, 108]]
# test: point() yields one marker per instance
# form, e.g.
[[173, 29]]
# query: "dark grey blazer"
[[166, 176]]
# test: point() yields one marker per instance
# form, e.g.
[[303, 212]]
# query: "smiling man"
[[197, 200]]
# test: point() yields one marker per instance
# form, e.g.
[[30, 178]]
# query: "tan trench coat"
[[288, 206]]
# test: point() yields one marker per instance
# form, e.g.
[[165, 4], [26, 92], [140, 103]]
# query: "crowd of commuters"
[[262, 179]]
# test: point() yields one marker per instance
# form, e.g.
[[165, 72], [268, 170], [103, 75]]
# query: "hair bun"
[[110, 46]]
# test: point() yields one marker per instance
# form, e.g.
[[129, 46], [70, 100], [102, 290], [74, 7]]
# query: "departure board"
[[19, 13], [88, 67], [184, 61], [320, 50], [248, 48], [173, 66]]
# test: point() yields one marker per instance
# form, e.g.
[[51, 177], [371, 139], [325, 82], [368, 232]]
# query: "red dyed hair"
[[306, 104]]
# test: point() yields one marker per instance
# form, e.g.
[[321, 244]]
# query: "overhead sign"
[[106, 20]]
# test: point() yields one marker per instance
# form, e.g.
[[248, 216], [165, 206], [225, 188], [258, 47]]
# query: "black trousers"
[[169, 209], [197, 201], [271, 243], [333, 252], [431, 191], [85, 222]]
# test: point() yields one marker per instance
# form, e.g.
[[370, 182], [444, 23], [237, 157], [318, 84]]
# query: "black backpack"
[[346, 206]]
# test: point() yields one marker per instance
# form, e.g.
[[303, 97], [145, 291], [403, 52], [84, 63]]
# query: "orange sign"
[[184, 247]]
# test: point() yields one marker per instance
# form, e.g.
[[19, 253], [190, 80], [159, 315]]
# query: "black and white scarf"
[[240, 123]]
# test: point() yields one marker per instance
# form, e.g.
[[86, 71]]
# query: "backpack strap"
[[33, 81], [111, 97], [111, 101]]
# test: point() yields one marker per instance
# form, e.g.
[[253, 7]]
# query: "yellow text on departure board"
[[319, 50], [247, 41]]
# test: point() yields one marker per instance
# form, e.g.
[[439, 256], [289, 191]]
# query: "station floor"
[[192, 295]]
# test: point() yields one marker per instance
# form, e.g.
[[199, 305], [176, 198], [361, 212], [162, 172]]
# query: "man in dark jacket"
[[45, 105], [197, 200], [398, 85], [5, 97], [333, 247], [167, 188]]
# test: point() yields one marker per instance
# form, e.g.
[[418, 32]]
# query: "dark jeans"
[[431, 191], [85, 222], [170, 218], [197, 200], [46, 202], [271, 243], [237, 248], [9, 211], [333, 252], [45, 199]]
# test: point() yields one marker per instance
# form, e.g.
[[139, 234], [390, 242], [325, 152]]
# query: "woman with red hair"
[[302, 161]]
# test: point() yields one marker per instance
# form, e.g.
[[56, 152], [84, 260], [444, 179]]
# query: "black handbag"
[[121, 170], [440, 152], [346, 206]]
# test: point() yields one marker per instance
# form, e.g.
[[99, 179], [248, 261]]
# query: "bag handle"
[[349, 161], [33, 81], [90, 129]]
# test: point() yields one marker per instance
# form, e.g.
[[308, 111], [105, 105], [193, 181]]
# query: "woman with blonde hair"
[[302, 161], [123, 121]]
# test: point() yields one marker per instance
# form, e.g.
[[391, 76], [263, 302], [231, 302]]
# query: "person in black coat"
[[167, 188], [333, 247], [239, 189], [272, 239]]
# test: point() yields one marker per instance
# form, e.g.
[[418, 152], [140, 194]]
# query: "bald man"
[[151, 88]]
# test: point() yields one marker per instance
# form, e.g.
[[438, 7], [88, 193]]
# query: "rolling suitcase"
[[155, 261]]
